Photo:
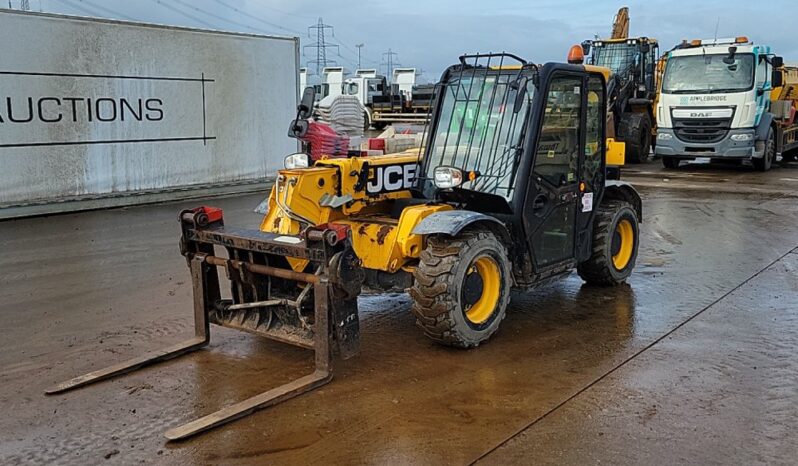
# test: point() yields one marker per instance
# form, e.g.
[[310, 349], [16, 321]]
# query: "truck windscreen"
[[708, 74], [478, 130], [616, 56]]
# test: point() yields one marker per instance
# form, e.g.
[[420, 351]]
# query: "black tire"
[[366, 123], [766, 162], [440, 292], [670, 162], [379, 125], [635, 131], [601, 268]]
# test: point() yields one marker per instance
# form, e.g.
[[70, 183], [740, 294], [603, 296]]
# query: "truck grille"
[[701, 130]]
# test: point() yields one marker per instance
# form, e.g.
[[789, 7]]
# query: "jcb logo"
[[392, 178]]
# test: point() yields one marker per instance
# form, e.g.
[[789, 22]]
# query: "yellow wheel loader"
[[509, 191]]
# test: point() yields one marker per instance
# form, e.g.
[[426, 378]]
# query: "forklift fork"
[[342, 334]]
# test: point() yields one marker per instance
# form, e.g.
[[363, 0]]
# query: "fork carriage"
[[316, 309]]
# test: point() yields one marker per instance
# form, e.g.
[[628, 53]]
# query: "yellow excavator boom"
[[620, 24]]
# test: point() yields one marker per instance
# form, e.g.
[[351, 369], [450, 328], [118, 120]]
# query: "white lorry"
[[717, 102]]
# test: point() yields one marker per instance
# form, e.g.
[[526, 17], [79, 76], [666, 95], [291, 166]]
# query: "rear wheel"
[[763, 164], [461, 288], [635, 130], [615, 243], [670, 162]]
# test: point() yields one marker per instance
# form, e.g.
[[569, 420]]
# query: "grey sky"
[[431, 34]]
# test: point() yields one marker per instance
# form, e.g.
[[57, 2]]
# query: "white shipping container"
[[97, 113]]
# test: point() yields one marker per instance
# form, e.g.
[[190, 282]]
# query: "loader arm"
[[369, 195]]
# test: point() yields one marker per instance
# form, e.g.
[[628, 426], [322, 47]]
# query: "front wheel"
[[614, 247], [366, 121], [763, 164], [461, 288]]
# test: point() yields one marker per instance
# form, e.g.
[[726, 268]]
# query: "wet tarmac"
[[693, 361]]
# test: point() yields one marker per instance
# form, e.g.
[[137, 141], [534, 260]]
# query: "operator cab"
[[627, 57], [524, 144]]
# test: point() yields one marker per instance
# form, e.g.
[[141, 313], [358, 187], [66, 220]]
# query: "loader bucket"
[[314, 309]]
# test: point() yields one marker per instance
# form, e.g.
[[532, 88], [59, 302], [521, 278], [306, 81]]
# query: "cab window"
[[557, 156], [594, 133]]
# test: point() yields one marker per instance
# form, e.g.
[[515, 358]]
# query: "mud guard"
[[620, 190], [764, 126], [452, 222]]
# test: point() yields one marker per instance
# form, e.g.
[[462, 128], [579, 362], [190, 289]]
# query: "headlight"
[[742, 137], [664, 136], [448, 177], [297, 161]]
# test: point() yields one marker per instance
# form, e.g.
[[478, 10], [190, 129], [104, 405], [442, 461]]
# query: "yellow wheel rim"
[[625, 233], [489, 272]]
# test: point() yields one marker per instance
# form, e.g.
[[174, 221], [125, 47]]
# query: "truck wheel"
[[769, 156], [366, 123], [670, 162], [635, 131], [615, 242], [461, 288]]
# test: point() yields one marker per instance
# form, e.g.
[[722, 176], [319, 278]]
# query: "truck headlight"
[[742, 137], [297, 161], [664, 136], [448, 177]]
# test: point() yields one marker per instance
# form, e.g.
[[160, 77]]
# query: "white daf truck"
[[716, 102]]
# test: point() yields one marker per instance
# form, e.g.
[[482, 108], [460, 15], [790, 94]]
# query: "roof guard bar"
[[477, 56]]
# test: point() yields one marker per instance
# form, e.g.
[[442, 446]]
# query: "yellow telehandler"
[[509, 191]]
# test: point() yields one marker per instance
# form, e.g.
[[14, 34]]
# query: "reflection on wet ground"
[[564, 380]]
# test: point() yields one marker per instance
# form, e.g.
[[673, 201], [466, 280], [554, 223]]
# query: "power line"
[[213, 15], [113, 13], [77, 7], [108, 10], [283, 12], [293, 31], [389, 62], [321, 45], [369, 59], [359, 46], [183, 13]]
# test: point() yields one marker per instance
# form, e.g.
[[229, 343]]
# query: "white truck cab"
[[715, 102]]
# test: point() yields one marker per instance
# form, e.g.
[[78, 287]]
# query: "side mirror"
[[777, 62], [776, 78], [520, 96], [298, 129], [305, 107]]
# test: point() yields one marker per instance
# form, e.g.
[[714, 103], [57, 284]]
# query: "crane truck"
[[727, 100]]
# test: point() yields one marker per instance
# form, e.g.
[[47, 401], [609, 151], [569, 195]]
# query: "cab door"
[[550, 212], [592, 165]]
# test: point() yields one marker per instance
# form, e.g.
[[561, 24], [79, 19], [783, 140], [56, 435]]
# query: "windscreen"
[[708, 74], [478, 129], [616, 56]]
